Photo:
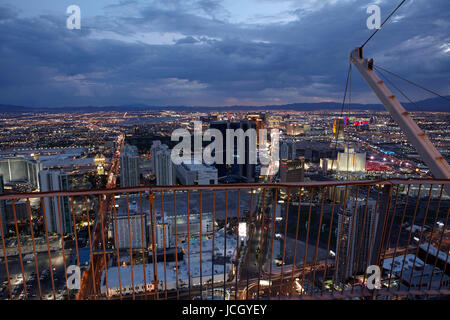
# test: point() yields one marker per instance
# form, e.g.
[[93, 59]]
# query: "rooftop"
[[208, 268]]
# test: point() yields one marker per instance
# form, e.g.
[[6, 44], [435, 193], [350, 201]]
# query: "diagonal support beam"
[[430, 155]]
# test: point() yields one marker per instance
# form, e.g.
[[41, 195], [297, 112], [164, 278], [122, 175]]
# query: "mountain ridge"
[[427, 105]]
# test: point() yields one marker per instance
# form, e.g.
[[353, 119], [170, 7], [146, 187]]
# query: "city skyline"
[[224, 150]]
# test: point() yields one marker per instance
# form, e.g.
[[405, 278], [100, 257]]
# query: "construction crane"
[[416, 136]]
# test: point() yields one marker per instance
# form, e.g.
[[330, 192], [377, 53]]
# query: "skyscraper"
[[190, 174], [3, 207], [292, 170], [162, 165], [222, 126], [126, 224], [20, 169], [163, 232], [56, 180], [129, 223], [129, 167], [351, 161], [259, 120], [288, 150], [246, 169], [338, 128], [355, 245]]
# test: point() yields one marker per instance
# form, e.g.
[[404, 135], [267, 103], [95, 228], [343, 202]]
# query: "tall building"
[[21, 209], [129, 167], [193, 174], [3, 207], [100, 161], [338, 128], [356, 234], [128, 218], [347, 161], [288, 150], [351, 161], [207, 224], [124, 226], [284, 151], [259, 120], [337, 194], [222, 126], [162, 165], [292, 170], [20, 169], [165, 232], [56, 180], [163, 235], [246, 169]]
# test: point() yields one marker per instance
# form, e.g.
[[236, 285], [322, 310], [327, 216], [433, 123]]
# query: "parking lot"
[[32, 279]]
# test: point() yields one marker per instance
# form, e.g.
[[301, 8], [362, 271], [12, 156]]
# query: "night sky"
[[212, 52]]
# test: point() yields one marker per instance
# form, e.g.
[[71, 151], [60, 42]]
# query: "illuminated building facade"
[[3, 207], [355, 239], [20, 169], [338, 128], [56, 208], [292, 170], [347, 161], [129, 167], [162, 165]]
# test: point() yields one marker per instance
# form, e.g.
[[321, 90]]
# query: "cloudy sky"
[[212, 52]]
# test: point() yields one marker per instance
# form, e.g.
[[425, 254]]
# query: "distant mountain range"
[[433, 104]]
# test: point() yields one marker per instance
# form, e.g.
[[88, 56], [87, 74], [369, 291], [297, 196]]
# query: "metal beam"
[[430, 155]]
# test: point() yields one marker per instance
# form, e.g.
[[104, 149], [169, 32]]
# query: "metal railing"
[[384, 239]]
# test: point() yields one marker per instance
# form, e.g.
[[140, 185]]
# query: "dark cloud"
[[8, 12], [187, 40], [188, 52]]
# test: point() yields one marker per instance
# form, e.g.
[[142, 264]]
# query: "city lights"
[[201, 150]]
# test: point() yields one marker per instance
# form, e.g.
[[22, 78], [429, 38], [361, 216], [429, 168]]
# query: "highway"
[[90, 283], [257, 245], [279, 281], [390, 159]]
